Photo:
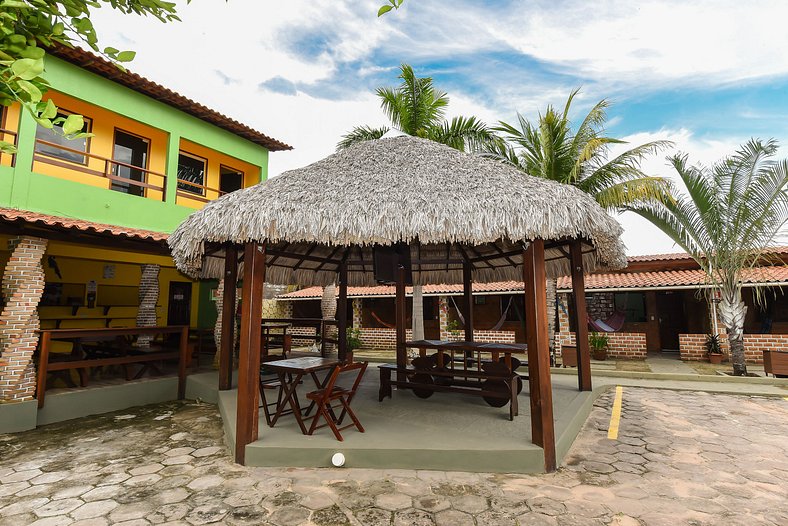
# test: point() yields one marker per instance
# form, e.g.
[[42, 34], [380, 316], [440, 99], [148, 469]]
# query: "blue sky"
[[707, 75]]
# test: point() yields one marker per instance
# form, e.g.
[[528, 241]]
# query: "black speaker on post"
[[387, 260]]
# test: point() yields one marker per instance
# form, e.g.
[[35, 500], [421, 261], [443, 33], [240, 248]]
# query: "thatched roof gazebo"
[[397, 210]]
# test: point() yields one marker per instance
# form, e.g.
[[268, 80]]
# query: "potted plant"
[[454, 329], [353, 342], [598, 343], [713, 349]]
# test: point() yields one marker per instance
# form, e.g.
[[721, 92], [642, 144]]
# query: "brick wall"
[[149, 297], [358, 313], [624, 345], [217, 328], [692, 347], [600, 305], [386, 339], [486, 336], [443, 317], [305, 331], [23, 285]]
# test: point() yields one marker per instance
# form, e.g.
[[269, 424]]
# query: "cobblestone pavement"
[[680, 458]]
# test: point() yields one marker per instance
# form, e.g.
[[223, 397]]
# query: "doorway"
[[179, 308], [672, 320], [230, 180], [132, 151]]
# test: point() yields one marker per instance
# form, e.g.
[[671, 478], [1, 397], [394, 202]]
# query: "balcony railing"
[[10, 137], [203, 196], [109, 172]]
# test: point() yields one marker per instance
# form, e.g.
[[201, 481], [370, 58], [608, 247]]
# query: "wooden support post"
[[228, 318], [467, 298], [183, 361], [342, 313], [247, 411], [580, 317], [400, 316], [542, 425], [43, 364]]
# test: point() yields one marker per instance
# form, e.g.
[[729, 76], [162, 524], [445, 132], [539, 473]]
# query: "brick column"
[[217, 328], [563, 336], [149, 296], [23, 285], [443, 317], [328, 309], [551, 287], [357, 313]]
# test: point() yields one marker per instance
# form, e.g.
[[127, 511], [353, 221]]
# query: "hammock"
[[613, 324], [387, 325], [495, 327]]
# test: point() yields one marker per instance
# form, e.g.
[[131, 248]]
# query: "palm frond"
[[464, 134], [360, 134]]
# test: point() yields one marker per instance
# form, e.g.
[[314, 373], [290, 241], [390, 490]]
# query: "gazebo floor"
[[447, 431]]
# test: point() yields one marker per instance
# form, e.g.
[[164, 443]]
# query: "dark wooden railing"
[[109, 167], [14, 140], [202, 196], [123, 353], [322, 330]]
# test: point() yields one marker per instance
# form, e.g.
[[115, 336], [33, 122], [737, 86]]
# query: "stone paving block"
[[393, 501], [453, 518], [289, 516], [58, 507], [94, 509]]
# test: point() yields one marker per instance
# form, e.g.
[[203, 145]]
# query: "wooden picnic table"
[[495, 378], [291, 371]]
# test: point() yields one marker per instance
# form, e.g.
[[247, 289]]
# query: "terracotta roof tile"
[[104, 68], [25, 216]]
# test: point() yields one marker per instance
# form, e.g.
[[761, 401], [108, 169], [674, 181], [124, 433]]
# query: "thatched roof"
[[445, 203]]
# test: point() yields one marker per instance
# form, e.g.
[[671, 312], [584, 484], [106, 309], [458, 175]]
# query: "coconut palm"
[[729, 217], [550, 148], [417, 108]]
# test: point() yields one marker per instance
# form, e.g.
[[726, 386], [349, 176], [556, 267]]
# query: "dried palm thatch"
[[446, 204]]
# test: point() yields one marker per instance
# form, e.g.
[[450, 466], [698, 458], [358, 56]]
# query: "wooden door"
[[672, 322], [180, 301]]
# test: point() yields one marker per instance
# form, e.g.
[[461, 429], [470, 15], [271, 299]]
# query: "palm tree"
[[550, 149], [417, 108], [729, 217]]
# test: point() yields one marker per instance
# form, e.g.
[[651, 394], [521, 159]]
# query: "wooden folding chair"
[[331, 393], [269, 382]]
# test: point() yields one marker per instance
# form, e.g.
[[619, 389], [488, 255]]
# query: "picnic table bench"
[[495, 379], [84, 358]]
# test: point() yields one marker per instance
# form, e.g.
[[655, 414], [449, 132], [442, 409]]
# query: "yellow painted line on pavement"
[[615, 417]]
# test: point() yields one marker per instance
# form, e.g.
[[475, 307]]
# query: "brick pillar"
[[357, 313], [551, 285], [217, 328], [149, 296], [443, 317], [23, 285], [562, 335], [328, 309]]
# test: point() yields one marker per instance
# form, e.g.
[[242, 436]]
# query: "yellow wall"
[[103, 126], [9, 122], [215, 161], [79, 264]]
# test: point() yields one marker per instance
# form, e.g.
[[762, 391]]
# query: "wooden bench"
[[497, 389], [776, 363]]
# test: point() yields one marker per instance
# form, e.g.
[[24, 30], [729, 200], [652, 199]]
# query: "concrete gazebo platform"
[[393, 210]]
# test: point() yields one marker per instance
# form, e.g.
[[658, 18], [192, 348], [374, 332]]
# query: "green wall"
[[23, 189]]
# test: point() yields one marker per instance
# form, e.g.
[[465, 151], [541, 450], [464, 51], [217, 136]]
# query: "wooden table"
[[494, 379], [291, 371], [269, 337]]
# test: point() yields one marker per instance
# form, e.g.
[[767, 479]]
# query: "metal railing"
[[110, 168]]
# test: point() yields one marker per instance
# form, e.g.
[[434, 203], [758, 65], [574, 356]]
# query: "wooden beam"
[[542, 425], [342, 312], [580, 317], [228, 318], [247, 411], [401, 317], [467, 298]]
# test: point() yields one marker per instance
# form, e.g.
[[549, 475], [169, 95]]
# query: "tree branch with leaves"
[[29, 27]]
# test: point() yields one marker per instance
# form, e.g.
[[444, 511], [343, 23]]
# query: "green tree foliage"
[[30, 26], [417, 108], [391, 4], [551, 149], [728, 218]]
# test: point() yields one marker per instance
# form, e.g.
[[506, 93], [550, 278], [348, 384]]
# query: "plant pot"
[[599, 354], [715, 359]]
